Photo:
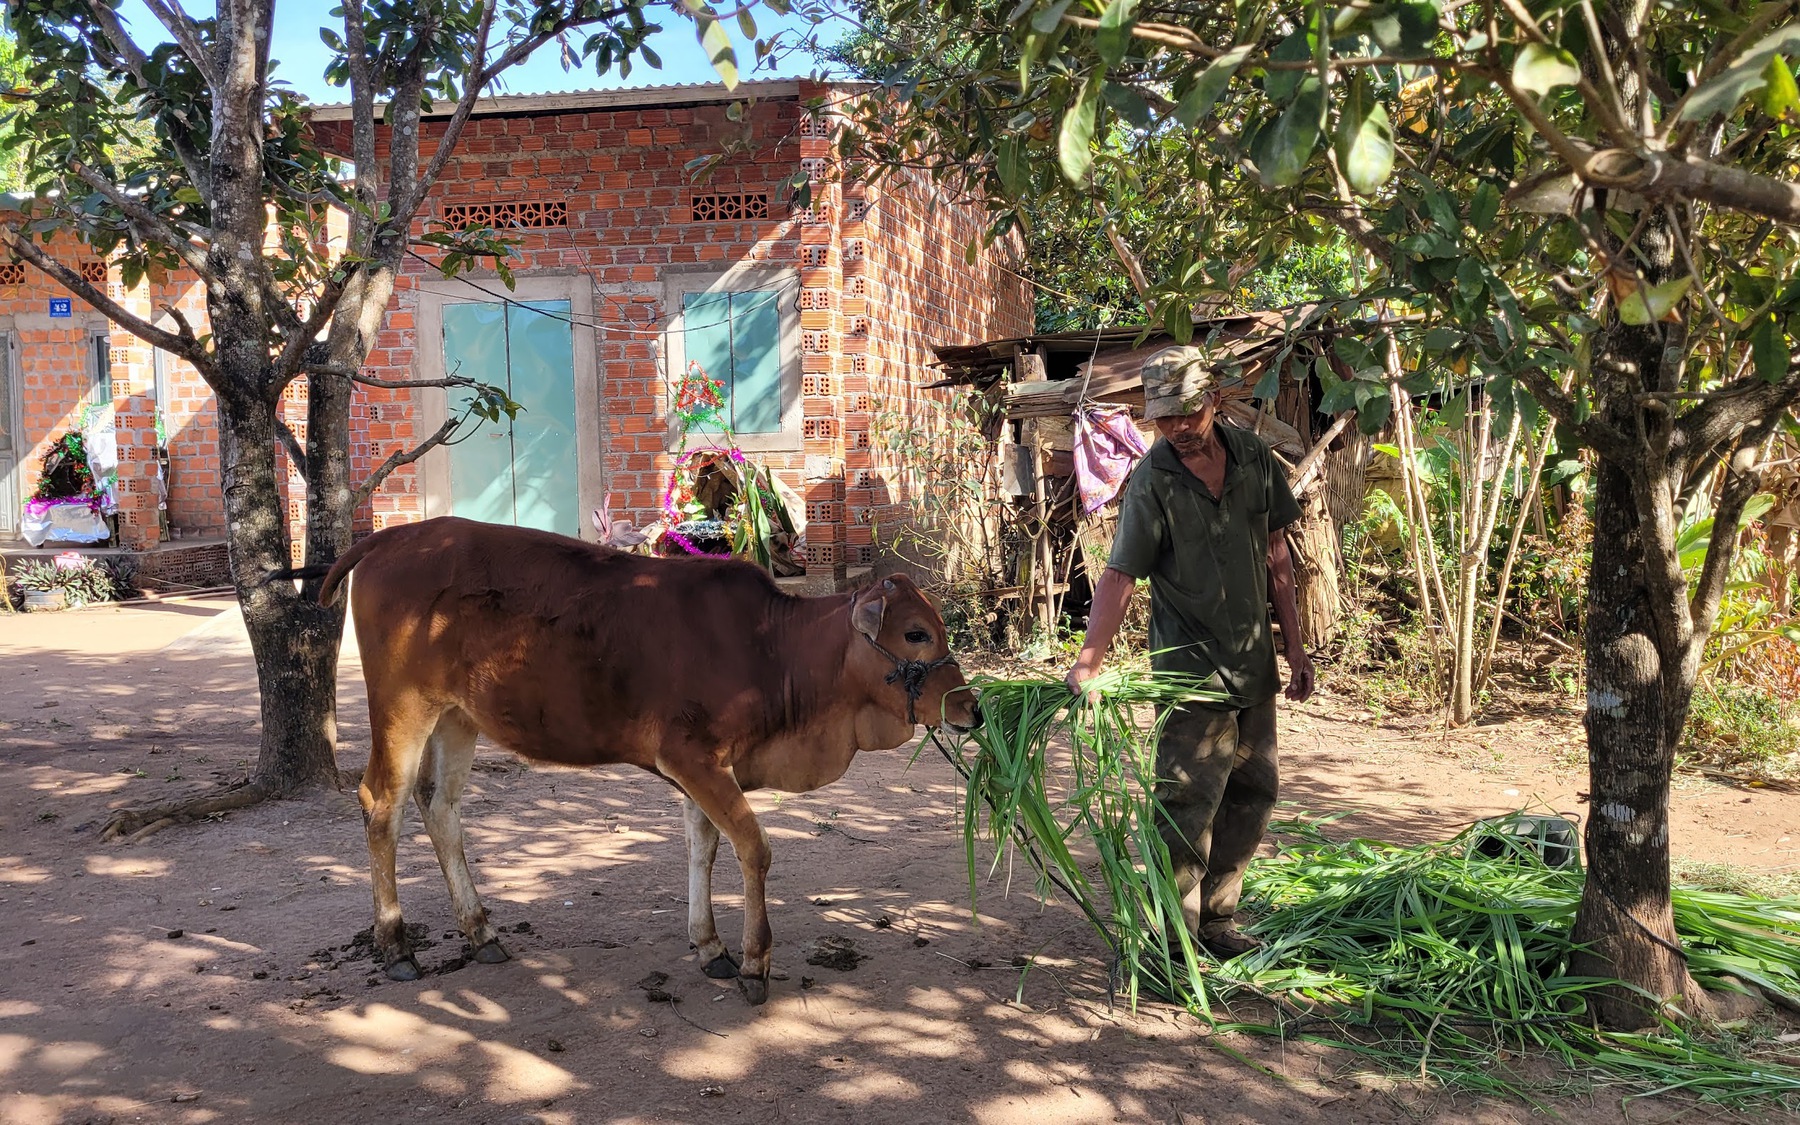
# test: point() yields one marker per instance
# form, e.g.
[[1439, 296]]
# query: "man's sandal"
[[1228, 942]]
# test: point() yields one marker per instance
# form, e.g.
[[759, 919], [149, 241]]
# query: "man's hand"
[[1082, 672], [1300, 669]]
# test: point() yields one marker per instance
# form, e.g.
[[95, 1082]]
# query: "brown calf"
[[700, 671]]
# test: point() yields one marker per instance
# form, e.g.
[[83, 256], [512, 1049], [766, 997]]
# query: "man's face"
[[1188, 432]]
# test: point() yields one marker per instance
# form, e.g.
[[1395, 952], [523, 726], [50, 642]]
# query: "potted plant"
[[84, 581], [42, 585], [60, 584]]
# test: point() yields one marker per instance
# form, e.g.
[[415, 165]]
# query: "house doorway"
[[518, 470], [543, 468], [11, 449]]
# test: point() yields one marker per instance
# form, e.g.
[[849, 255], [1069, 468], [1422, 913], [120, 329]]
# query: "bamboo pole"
[[1309, 465], [1043, 561], [1529, 499], [1484, 512], [1416, 517]]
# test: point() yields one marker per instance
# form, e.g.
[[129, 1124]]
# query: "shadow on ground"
[[202, 976]]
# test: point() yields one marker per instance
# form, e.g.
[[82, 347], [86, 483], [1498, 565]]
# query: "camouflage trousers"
[[1217, 781]]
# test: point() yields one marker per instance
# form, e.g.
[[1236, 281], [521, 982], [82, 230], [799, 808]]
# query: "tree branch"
[[1731, 408], [1719, 59], [1134, 268], [152, 227], [1609, 112], [292, 444], [1309, 465], [406, 188], [1605, 440], [465, 106], [1665, 583], [362, 106], [187, 35], [186, 330], [339, 372], [1664, 177], [276, 303], [125, 48], [1350, 218], [187, 348], [132, 60], [1571, 153], [293, 355], [397, 459], [237, 107], [1743, 476]]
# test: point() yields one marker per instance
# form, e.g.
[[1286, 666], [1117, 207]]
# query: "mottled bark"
[[1639, 680], [293, 638], [1626, 920]]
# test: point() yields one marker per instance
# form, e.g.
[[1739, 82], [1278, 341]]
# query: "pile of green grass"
[[1435, 959], [1439, 954]]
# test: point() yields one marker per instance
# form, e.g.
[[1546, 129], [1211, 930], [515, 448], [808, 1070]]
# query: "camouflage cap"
[[1174, 381]]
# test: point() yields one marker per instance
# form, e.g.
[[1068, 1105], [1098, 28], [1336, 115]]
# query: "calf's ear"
[[866, 615]]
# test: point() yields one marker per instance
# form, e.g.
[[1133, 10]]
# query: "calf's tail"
[[341, 569]]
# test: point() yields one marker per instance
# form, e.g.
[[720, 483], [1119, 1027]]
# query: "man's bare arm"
[[1287, 615], [1111, 595]]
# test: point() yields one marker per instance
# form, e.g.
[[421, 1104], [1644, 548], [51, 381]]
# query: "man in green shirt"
[[1203, 518]]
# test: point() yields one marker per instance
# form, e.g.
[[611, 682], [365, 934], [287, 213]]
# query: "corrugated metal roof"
[[678, 93]]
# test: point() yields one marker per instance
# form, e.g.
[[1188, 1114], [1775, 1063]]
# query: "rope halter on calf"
[[911, 675]]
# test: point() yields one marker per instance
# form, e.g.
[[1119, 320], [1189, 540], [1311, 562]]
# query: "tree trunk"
[[1316, 543], [1333, 500], [1626, 921], [1318, 539], [294, 639], [1637, 694]]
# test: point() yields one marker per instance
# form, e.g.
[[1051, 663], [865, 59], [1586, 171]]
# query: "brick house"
[[628, 268], [61, 364]]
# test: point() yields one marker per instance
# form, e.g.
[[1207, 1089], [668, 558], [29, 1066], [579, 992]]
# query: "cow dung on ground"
[[834, 952]]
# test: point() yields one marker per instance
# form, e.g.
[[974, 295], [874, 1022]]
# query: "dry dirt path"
[[195, 977]]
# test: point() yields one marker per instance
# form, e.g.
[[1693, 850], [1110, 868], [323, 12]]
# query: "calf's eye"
[[917, 637]]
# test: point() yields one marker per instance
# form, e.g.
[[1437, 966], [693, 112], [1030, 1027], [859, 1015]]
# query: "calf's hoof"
[[722, 967], [492, 953], [755, 990], [402, 968]]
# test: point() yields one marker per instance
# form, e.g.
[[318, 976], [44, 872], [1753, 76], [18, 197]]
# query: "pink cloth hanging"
[[1107, 447]]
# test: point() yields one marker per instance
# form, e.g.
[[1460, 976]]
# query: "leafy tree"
[[236, 192], [12, 76], [1081, 247], [1586, 204]]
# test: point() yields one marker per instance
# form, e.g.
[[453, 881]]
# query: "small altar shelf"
[[64, 519]]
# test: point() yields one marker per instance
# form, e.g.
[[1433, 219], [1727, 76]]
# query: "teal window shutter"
[[736, 339]]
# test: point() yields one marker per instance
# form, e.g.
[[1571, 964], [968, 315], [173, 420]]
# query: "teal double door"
[[522, 470]]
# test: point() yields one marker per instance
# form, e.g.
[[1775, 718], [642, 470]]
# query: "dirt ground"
[[200, 977]]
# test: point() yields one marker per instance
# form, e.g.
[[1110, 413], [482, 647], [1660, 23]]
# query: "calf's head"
[[908, 657]]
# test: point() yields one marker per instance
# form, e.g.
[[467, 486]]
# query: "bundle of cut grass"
[[1436, 959], [1108, 802]]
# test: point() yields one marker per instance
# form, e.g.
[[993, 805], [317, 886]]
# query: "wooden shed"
[[1029, 390]]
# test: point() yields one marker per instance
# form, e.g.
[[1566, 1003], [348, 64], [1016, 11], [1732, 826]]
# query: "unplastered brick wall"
[[54, 380], [191, 421], [202, 565], [630, 213], [826, 347], [921, 290], [629, 210]]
